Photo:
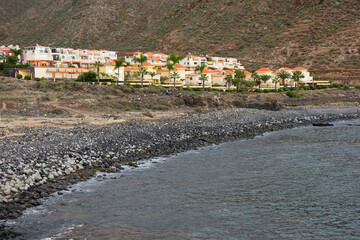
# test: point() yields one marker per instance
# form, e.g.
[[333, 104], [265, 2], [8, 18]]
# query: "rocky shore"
[[40, 161]]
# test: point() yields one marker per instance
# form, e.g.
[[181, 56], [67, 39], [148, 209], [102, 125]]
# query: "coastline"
[[77, 154]]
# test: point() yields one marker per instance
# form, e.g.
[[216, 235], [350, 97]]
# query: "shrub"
[[346, 87], [37, 79], [312, 88], [357, 87], [154, 89], [197, 89], [57, 111], [91, 75], [137, 86], [27, 77], [126, 88], [127, 84], [148, 114], [280, 90], [258, 90], [287, 89], [113, 90], [158, 107], [292, 94], [198, 109], [45, 98], [266, 91], [273, 90], [96, 83], [104, 83], [321, 86], [19, 76], [113, 84]]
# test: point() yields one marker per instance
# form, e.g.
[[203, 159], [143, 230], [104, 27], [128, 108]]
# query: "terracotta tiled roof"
[[146, 64], [228, 72], [264, 70], [179, 66], [300, 69], [247, 73]]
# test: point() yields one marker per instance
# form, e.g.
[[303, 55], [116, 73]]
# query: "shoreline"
[[75, 155]]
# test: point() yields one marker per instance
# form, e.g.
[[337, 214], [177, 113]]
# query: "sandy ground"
[[87, 119]]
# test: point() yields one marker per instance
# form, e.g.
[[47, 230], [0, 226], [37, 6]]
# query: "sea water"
[[301, 183]]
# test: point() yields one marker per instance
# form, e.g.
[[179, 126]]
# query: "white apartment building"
[[156, 59], [64, 63]]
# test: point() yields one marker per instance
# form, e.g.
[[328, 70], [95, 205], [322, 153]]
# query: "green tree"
[[264, 78], [175, 59], [17, 53], [250, 84], [276, 80], [228, 80], [142, 71], [297, 75], [152, 74], [200, 68], [314, 75], [2, 57], [140, 59], [283, 75], [175, 76], [11, 60], [236, 82], [256, 78], [203, 78], [240, 76], [98, 65], [119, 64], [169, 66]]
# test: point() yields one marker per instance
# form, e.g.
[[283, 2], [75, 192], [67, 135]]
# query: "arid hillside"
[[318, 34]]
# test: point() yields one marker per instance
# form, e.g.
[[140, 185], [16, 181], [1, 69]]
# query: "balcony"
[[66, 70]]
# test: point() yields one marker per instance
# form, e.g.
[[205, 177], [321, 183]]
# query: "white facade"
[[65, 57]]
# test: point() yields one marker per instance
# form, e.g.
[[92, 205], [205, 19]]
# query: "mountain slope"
[[314, 33]]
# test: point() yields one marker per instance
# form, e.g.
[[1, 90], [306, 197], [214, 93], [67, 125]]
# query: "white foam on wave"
[[63, 234]]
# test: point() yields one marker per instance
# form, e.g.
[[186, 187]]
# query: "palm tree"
[[16, 52], [276, 80], [297, 75], [175, 76], [142, 71], [98, 65], [256, 78], [265, 78], [236, 82], [240, 75], [140, 59], [169, 66], [174, 59], [251, 84], [283, 75], [203, 78], [200, 68], [118, 64], [313, 75], [228, 79], [152, 74]]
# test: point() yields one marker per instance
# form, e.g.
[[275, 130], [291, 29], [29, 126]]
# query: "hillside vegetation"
[[319, 34]]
